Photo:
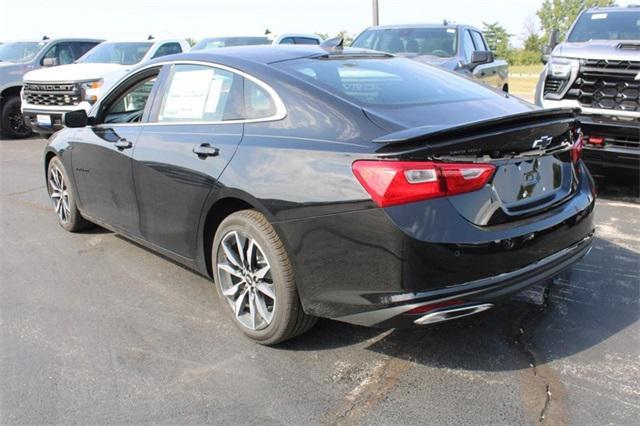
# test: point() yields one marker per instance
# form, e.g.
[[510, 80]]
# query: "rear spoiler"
[[494, 125]]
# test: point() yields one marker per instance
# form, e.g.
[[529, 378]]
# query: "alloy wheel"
[[16, 122], [59, 194], [245, 280]]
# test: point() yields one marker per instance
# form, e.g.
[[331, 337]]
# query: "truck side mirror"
[[50, 62], [77, 118], [481, 57], [553, 42]]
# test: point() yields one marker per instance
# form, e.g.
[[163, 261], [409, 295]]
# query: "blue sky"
[[200, 18]]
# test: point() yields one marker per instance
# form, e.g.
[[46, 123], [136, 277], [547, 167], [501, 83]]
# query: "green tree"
[[534, 43], [560, 14], [497, 37]]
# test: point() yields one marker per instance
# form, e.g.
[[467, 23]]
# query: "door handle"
[[123, 144], [206, 150]]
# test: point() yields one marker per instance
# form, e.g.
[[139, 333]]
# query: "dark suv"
[[459, 48]]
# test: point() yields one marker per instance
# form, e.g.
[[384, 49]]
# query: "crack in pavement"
[[538, 377]]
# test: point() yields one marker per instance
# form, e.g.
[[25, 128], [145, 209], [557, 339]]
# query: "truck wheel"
[[13, 125]]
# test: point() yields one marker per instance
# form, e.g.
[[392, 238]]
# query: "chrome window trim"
[[281, 111]]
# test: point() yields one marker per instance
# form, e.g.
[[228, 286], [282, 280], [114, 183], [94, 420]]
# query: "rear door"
[[194, 131]]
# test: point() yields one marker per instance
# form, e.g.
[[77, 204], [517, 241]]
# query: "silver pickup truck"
[[459, 48], [597, 68]]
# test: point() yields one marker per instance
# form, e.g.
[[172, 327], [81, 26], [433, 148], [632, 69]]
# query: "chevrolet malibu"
[[315, 182]]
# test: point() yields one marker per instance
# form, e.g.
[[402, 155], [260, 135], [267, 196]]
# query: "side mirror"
[[553, 42], [50, 62], [481, 57], [77, 118]]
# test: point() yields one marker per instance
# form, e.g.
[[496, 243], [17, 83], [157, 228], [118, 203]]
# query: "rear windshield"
[[385, 81], [126, 53], [212, 43], [606, 26], [421, 41]]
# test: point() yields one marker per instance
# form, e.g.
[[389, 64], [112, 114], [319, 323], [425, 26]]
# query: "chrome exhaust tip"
[[452, 313]]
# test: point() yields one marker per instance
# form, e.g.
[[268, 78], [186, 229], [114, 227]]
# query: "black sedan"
[[313, 182]]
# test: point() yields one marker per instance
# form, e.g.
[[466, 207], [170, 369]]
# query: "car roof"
[[49, 40], [630, 8], [268, 54], [409, 26]]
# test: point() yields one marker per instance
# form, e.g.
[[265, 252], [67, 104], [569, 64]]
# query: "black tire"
[[288, 318], [71, 219], [13, 125]]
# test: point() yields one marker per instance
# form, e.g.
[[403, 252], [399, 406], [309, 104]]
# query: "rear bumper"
[[371, 266], [621, 149], [483, 292]]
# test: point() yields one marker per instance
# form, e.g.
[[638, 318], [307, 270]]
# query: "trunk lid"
[[531, 152]]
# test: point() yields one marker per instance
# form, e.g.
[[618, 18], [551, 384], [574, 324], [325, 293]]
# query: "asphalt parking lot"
[[96, 329]]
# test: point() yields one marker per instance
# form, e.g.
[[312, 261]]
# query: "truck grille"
[[607, 84], [58, 94]]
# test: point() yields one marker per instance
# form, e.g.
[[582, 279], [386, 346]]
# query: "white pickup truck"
[[48, 93]]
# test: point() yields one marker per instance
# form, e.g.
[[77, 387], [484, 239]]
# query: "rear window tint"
[[385, 81]]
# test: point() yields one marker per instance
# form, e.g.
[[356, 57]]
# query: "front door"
[[101, 157]]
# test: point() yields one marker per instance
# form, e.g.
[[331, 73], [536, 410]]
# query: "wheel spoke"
[[54, 185], [266, 289], [239, 303], [231, 291], [56, 194], [229, 269], [240, 247], [262, 309], [253, 311], [250, 251], [262, 272], [230, 255]]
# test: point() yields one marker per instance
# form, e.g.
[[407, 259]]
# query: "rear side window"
[[198, 93], [385, 81], [168, 49], [258, 103]]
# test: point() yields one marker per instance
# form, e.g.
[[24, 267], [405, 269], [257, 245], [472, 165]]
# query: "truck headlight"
[[561, 67], [91, 90]]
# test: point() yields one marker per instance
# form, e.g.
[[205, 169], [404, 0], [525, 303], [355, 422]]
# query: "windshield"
[[385, 81], [606, 26], [117, 53], [421, 41], [215, 42], [19, 51]]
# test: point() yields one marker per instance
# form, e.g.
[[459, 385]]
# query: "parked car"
[[459, 48], [20, 57], [342, 183], [49, 93], [215, 42], [597, 68]]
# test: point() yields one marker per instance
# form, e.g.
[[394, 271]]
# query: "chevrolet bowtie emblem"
[[542, 143]]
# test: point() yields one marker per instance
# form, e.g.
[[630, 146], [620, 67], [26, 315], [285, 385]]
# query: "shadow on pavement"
[[580, 309]]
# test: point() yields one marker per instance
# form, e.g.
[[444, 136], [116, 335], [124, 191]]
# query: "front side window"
[[384, 81], [19, 52], [198, 93], [306, 40], [129, 107], [467, 46], [421, 41], [596, 25], [61, 53], [287, 40], [168, 49], [478, 41], [125, 53]]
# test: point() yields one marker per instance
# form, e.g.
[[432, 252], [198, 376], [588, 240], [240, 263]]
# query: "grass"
[[524, 86]]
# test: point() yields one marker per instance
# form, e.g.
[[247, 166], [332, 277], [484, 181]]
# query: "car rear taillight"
[[397, 182], [576, 149]]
